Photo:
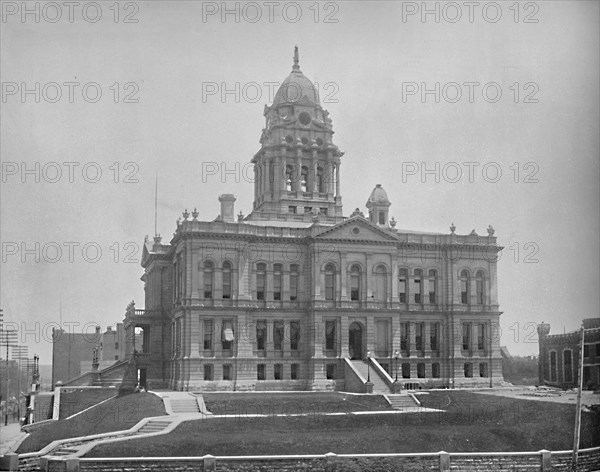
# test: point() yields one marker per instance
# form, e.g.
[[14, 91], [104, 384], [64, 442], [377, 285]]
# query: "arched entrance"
[[355, 341]]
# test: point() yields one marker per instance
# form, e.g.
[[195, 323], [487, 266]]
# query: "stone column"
[[343, 275], [337, 181], [314, 187], [270, 346]]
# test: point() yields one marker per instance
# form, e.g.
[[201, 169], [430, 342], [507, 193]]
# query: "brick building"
[[559, 356], [73, 353], [295, 295]]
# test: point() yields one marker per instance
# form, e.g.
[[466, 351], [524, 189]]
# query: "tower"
[[297, 169], [378, 205]]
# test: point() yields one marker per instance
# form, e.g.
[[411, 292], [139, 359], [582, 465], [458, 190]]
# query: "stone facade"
[[278, 299], [560, 355]]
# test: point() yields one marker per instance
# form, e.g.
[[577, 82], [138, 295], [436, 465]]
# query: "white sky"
[[171, 55]]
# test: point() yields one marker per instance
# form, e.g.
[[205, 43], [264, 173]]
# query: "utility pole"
[[578, 410], [7, 337]]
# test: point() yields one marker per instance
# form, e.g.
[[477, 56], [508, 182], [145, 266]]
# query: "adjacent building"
[[297, 296], [560, 354]]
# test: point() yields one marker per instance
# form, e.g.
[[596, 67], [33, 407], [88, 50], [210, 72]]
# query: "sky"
[[478, 117]]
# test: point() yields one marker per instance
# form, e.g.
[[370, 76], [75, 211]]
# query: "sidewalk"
[[10, 437]]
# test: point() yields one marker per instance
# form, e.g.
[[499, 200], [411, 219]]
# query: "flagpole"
[[578, 408]]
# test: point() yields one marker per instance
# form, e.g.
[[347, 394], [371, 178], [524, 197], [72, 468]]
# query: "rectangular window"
[[568, 366], [260, 285], [402, 285], [479, 290], [404, 336], [261, 372], [435, 370], [226, 284], [382, 340], [294, 335], [406, 370], [598, 350], [419, 336], [432, 295], [330, 335], [278, 335], [261, 335], [421, 370], [330, 371], [329, 286], [324, 211], [464, 291], [433, 336], [208, 335], [116, 357], [417, 290], [466, 336], [483, 369], [468, 369], [307, 210], [226, 371], [277, 283], [586, 350], [227, 336], [292, 209], [481, 337], [208, 372], [116, 345], [295, 371], [553, 366], [293, 283], [278, 371]]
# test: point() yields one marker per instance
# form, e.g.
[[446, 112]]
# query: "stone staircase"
[[184, 404], [379, 385], [402, 402], [154, 426]]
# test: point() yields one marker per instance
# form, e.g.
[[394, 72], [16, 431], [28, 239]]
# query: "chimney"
[[227, 213], [97, 329]]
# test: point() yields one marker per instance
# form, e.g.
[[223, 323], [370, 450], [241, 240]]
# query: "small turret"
[[378, 205]]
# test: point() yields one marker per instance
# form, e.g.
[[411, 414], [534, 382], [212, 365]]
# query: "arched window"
[[403, 285], [294, 282], [355, 282], [418, 281], [432, 282], [226, 280], [320, 180], [289, 175], [304, 179], [465, 287], [329, 282], [261, 275], [479, 287], [277, 281], [380, 292], [381, 217], [208, 279]]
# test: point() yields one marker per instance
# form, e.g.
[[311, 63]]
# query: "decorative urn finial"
[[195, 214], [490, 230], [186, 214], [452, 228], [393, 222]]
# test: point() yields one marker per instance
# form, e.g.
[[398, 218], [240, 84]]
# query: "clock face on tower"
[[304, 118]]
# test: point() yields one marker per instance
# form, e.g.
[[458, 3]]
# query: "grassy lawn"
[[75, 401], [115, 415], [471, 423], [291, 403]]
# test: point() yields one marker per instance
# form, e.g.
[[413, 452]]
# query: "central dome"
[[296, 88]]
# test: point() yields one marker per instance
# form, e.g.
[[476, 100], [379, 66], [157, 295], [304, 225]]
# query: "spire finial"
[[296, 65]]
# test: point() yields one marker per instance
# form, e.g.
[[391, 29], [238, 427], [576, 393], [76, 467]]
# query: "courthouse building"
[[296, 295]]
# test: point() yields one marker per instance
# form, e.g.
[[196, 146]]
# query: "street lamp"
[[368, 367], [396, 355]]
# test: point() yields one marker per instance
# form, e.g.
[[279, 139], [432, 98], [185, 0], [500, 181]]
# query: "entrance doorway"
[[355, 341], [142, 377]]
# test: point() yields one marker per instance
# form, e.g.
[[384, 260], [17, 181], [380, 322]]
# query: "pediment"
[[357, 228]]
